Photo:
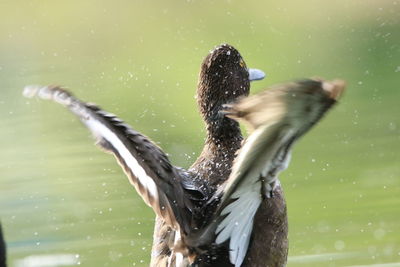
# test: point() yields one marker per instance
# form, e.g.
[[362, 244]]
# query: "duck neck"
[[215, 161], [223, 136]]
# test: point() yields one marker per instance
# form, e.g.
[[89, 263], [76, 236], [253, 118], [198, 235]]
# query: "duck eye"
[[242, 64]]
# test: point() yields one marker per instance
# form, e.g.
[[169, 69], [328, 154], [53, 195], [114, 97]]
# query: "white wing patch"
[[101, 131], [257, 166], [238, 223]]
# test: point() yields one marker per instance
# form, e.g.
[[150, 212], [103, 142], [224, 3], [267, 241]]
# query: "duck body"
[[223, 79], [269, 246]]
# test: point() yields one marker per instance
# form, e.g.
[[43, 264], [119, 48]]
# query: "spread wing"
[[279, 116], [160, 184]]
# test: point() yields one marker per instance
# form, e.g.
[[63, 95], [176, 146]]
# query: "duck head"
[[224, 77]]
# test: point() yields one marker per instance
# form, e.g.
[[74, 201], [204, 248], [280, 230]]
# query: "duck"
[[174, 194], [228, 208], [223, 78]]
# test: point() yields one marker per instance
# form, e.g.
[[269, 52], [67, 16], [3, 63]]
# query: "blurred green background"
[[140, 59]]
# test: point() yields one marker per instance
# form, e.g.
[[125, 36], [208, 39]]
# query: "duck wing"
[[278, 117], [161, 185]]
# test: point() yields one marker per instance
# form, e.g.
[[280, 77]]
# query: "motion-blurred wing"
[[147, 167], [279, 116]]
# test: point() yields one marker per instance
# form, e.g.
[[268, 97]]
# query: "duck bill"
[[256, 74]]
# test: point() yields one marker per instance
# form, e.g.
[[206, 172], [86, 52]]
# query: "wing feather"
[[145, 164], [278, 117]]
